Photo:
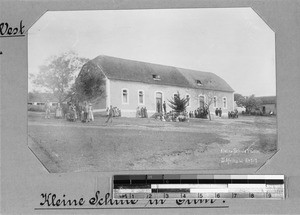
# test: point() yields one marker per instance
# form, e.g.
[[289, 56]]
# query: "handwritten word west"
[[6, 30]]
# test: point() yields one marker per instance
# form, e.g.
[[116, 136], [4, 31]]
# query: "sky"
[[234, 43]]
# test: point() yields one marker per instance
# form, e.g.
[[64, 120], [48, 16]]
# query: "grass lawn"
[[148, 144]]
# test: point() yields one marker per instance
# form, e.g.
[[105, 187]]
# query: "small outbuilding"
[[268, 105]]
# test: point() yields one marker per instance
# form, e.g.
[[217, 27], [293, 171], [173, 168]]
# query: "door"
[[158, 102]]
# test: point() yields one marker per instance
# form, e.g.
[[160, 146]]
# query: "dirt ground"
[[149, 144]]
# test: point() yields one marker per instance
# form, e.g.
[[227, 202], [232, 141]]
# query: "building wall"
[[269, 108], [129, 109]]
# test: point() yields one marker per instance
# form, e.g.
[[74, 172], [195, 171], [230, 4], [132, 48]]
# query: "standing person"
[[142, 113], [75, 112], [217, 111], [158, 107], [82, 112], [47, 110], [137, 112], [90, 113], [85, 111], [236, 113], [165, 107], [146, 114], [78, 110], [110, 114], [220, 112], [65, 109], [58, 111]]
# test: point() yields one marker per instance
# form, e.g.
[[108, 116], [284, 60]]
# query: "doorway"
[[158, 102]]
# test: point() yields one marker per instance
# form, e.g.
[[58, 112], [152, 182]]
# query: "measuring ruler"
[[198, 186]]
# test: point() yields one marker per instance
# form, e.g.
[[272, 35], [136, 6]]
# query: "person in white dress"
[[58, 111], [90, 113], [47, 110]]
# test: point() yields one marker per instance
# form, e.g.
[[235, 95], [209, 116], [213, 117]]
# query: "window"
[[188, 99], [224, 102], [141, 97], [125, 96], [215, 101], [156, 77], [199, 83]]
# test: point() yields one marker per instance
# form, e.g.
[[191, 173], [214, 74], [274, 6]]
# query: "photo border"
[[23, 178]]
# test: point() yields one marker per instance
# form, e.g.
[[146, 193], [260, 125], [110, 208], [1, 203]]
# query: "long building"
[[130, 84]]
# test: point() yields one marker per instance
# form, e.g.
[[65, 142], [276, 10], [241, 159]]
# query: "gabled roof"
[[130, 70]]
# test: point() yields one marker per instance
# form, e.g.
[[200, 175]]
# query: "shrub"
[[178, 104]]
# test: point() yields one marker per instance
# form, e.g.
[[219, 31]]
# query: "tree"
[[58, 73], [36, 96], [210, 95], [239, 99], [248, 102], [207, 102], [178, 104], [89, 84]]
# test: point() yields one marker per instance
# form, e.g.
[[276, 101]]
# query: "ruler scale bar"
[[170, 190], [198, 186]]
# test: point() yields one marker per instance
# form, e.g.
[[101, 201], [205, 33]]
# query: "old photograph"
[[156, 89]]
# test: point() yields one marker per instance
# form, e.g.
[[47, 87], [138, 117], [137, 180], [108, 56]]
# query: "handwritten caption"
[[51, 200], [6, 30]]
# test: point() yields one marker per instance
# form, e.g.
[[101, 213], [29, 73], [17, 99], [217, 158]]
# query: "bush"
[[178, 104]]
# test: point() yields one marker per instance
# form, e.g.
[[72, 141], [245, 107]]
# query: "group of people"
[[72, 111], [233, 114], [218, 112], [83, 111], [198, 113], [161, 107], [87, 112], [112, 112], [141, 112]]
